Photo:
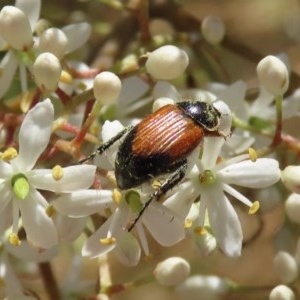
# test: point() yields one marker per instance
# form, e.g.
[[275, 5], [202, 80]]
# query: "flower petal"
[[6, 170], [26, 252], [77, 35], [8, 67], [39, 227], [93, 247], [259, 174], [69, 229], [6, 194], [163, 224], [83, 203], [43, 179], [31, 8], [34, 135], [223, 220]]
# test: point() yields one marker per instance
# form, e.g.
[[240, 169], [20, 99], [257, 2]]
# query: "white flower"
[[19, 181], [211, 181], [162, 224]]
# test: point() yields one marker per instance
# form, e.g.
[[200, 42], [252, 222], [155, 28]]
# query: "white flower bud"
[[47, 71], [205, 243], [290, 177], [107, 87], [282, 292], [55, 41], [273, 75], [286, 267], [160, 102], [292, 207], [172, 271], [209, 287], [167, 62], [15, 28], [213, 29]]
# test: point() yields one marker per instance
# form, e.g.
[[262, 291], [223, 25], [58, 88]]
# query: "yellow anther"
[[57, 172], [117, 196], [66, 77], [148, 258], [188, 223], [200, 230], [254, 208], [252, 154], [14, 239], [50, 211], [9, 154], [108, 241], [156, 184]]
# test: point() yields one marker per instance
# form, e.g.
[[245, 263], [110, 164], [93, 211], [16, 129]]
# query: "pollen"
[[50, 211], [108, 241], [252, 154], [254, 208], [66, 77], [117, 196], [200, 230], [9, 154], [188, 223], [57, 172], [14, 239]]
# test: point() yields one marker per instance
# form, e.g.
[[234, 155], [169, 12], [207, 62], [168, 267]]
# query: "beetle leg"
[[106, 145], [168, 184]]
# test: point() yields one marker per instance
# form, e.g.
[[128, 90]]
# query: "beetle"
[[160, 144]]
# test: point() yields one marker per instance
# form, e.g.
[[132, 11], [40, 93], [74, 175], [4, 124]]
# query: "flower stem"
[[49, 280]]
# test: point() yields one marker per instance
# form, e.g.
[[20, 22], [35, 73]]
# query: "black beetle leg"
[[106, 145], [168, 184]]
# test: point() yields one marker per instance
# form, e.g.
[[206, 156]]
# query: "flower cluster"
[[133, 158]]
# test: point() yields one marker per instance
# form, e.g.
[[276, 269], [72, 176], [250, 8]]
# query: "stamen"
[[108, 241], [254, 208], [9, 154], [148, 258], [66, 77], [156, 184], [57, 172], [188, 223], [200, 230], [50, 211], [14, 239], [117, 196], [81, 86], [252, 154]]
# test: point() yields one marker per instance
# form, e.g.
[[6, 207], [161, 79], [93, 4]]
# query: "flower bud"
[[273, 75], [286, 267], [172, 271], [205, 243], [47, 70], [55, 41], [282, 292], [167, 62], [213, 29], [15, 28], [209, 287], [290, 177], [160, 102], [107, 87], [292, 207]]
